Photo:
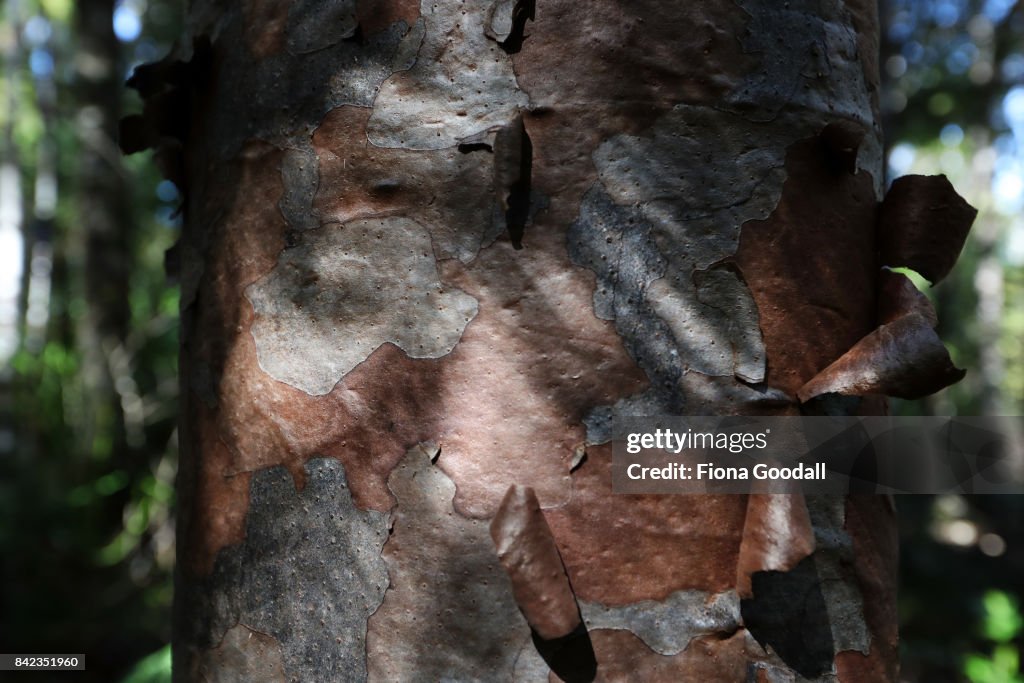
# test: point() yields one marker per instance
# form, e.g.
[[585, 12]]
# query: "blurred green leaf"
[[1002, 617], [154, 668]]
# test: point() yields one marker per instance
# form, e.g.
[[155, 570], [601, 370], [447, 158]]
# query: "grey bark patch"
[[321, 73], [788, 613], [816, 610], [820, 70], [721, 320], [530, 667], [667, 626], [462, 85], [318, 24], [243, 656], [667, 211], [309, 574], [616, 243], [300, 177], [834, 561], [449, 191], [449, 614], [345, 290]]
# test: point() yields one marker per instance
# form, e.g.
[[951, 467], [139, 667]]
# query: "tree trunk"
[[431, 251]]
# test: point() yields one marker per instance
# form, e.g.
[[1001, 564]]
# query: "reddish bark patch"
[[777, 534], [376, 15], [810, 267], [620, 67], [243, 243], [213, 516], [264, 24], [620, 549], [923, 225]]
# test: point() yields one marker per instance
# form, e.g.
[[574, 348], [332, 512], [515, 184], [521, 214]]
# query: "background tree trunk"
[[369, 361], [100, 240]]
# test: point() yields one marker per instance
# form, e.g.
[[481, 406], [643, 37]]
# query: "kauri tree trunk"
[[432, 249]]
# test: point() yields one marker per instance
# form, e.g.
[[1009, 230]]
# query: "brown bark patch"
[[376, 15], [803, 262], [923, 225], [263, 27], [777, 534], [623, 548]]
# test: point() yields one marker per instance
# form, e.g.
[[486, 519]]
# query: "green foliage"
[[155, 668], [86, 488], [1001, 625]]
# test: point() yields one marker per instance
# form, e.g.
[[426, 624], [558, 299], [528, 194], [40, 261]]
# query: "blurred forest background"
[[88, 335]]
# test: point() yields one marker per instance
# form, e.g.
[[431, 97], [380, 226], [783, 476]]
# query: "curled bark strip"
[[923, 225], [513, 159], [897, 297], [528, 552], [904, 358], [777, 535]]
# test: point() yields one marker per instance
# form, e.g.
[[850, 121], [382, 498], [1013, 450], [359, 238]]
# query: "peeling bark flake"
[[777, 535], [513, 159], [528, 552], [923, 225], [802, 262], [903, 358], [814, 610]]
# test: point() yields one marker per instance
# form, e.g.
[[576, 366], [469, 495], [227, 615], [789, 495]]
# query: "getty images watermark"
[[818, 454]]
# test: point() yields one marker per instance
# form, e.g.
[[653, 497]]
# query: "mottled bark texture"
[[431, 250]]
